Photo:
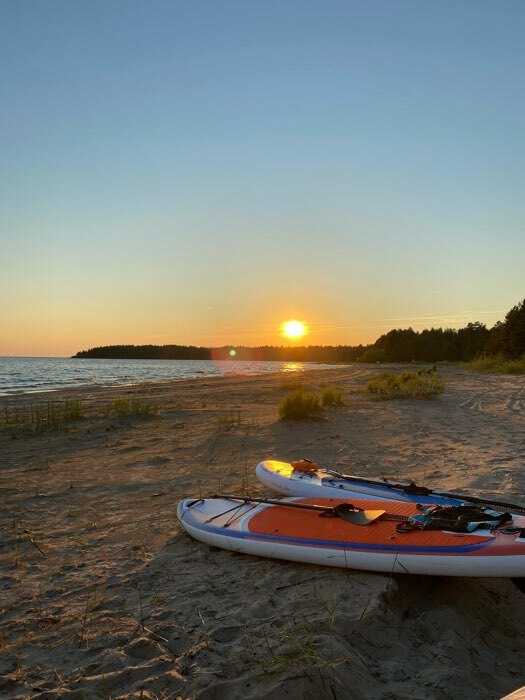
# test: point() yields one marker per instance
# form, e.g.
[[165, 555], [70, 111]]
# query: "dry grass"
[[497, 363]]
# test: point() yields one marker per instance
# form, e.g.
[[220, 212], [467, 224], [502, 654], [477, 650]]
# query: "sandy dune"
[[103, 596]]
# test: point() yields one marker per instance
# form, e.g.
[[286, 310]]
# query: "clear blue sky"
[[197, 173]]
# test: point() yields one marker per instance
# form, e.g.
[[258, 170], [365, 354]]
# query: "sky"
[[198, 173]]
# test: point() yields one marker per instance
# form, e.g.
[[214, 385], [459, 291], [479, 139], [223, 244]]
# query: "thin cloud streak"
[[468, 316]]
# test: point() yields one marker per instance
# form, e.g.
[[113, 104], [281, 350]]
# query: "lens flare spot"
[[233, 352], [293, 329]]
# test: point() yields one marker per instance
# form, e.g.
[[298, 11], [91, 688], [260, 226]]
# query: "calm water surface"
[[20, 375]]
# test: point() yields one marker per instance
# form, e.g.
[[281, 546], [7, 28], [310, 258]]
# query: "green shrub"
[[422, 384], [299, 405], [332, 397]]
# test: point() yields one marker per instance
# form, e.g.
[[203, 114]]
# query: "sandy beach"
[[102, 595]]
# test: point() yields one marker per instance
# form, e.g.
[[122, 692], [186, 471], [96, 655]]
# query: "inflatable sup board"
[[298, 479], [294, 529]]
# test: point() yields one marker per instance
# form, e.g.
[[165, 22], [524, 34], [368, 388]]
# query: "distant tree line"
[[434, 345], [313, 353], [437, 344], [146, 352], [399, 345], [508, 337]]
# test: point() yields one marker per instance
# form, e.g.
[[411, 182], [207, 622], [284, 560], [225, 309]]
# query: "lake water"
[[20, 375]]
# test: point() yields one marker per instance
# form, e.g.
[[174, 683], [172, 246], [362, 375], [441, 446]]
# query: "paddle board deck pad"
[[283, 478], [284, 532]]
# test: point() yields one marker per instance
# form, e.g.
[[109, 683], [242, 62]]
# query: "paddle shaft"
[[276, 502], [345, 511], [424, 491]]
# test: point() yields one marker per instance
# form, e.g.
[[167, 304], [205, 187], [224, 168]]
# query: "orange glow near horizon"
[[293, 329]]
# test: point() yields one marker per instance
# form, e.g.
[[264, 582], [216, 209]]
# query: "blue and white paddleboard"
[[306, 480]]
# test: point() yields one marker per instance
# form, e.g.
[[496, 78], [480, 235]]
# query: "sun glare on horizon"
[[293, 329]]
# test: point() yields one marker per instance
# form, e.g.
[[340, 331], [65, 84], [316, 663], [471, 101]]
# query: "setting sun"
[[293, 329]]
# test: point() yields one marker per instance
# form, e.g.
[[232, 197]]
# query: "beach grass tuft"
[[299, 405], [31, 419], [41, 417], [230, 419], [332, 396], [423, 384], [135, 406], [497, 363]]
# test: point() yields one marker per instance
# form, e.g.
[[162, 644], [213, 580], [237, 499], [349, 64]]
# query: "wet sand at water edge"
[[102, 595]]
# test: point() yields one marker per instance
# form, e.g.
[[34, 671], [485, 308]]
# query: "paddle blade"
[[358, 517]]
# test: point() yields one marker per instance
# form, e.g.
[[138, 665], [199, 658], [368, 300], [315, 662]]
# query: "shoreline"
[[103, 594], [169, 387], [283, 368]]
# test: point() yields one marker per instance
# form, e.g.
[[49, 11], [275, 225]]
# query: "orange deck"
[[308, 525]]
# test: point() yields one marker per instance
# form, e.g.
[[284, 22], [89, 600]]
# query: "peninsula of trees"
[[399, 345], [317, 353]]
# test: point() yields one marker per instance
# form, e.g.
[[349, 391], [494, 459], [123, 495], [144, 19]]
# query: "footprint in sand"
[[473, 404], [159, 461], [226, 635], [143, 648]]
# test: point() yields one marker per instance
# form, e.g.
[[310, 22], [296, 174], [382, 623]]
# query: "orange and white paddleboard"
[[282, 531]]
